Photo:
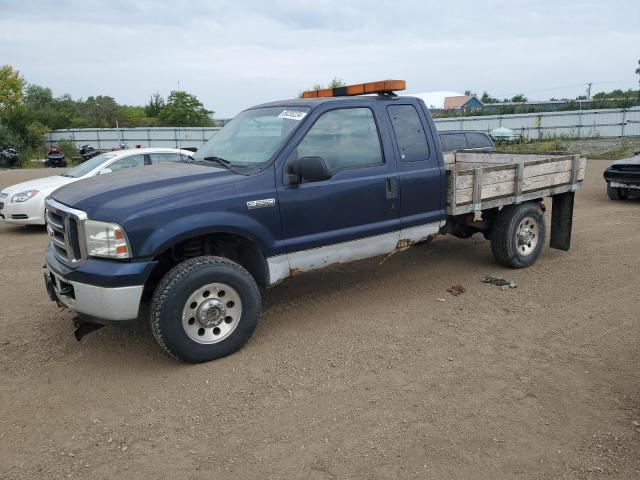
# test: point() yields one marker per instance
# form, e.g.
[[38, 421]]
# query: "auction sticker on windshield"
[[292, 114]]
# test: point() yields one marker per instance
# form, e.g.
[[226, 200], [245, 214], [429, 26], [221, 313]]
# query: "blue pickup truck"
[[284, 188]]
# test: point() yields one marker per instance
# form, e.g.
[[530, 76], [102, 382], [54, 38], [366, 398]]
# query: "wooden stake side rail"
[[478, 180]]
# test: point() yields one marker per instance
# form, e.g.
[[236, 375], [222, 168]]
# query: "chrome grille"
[[64, 225]]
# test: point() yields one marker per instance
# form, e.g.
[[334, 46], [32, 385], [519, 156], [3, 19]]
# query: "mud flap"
[[562, 221]]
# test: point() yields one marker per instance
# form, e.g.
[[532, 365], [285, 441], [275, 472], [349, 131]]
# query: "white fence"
[[614, 122], [106, 138]]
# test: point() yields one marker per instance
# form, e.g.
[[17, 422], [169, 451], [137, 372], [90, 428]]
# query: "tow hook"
[[84, 328]]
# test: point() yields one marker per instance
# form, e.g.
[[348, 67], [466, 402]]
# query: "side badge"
[[264, 203]]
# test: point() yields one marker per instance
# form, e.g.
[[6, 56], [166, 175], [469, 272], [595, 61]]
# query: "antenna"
[[179, 143]]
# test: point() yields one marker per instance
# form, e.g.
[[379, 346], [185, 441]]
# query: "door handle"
[[391, 188]]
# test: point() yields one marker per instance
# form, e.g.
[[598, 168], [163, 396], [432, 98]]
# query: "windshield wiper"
[[220, 161]]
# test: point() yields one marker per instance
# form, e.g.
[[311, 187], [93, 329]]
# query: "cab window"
[[409, 132], [344, 138], [453, 141], [478, 140]]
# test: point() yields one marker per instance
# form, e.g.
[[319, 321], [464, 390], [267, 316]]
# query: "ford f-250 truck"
[[285, 188]]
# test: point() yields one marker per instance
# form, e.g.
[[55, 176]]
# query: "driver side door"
[[353, 214]]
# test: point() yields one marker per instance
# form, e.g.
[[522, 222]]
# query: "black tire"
[[174, 290], [617, 193], [505, 240]]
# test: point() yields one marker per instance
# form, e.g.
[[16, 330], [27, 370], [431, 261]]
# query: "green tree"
[[38, 98], [155, 105], [11, 90], [130, 116], [184, 110], [336, 83], [519, 98], [486, 98], [101, 111], [34, 135]]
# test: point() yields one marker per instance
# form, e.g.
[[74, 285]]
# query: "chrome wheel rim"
[[211, 313], [527, 236]]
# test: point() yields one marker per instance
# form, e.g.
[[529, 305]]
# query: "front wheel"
[[617, 193], [518, 235], [204, 308]]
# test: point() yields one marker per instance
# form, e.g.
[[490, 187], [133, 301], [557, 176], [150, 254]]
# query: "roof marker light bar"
[[383, 86]]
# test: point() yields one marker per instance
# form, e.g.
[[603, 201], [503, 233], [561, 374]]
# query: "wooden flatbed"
[[484, 180]]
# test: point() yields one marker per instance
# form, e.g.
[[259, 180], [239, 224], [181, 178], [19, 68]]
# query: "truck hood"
[[111, 196], [45, 185], [627, 161]]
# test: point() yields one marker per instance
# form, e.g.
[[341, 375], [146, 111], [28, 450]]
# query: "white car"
[[24, 203]]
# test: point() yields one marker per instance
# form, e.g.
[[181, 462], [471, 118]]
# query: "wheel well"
[[237, 248]]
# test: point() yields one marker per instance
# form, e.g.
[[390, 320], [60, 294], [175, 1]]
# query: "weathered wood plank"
[[508, 173], [502, 201], [465, 195]]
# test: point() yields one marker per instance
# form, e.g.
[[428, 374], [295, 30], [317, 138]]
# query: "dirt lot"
[[364, 371]]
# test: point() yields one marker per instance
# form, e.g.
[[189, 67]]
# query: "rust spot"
[[403, 245]]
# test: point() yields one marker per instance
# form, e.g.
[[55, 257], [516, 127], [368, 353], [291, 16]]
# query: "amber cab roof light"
[[383, 86]]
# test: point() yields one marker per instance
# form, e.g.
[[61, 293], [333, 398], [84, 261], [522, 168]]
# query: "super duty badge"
[[264, 203]]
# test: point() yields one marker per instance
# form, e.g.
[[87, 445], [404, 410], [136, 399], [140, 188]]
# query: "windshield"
[[253, 136], [89, 165]]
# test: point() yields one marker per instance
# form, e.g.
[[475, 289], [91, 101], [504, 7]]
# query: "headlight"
[[24, 196], [106, 240]]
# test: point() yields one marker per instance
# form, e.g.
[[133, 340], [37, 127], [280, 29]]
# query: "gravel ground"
[[360, 371], [600, 145]]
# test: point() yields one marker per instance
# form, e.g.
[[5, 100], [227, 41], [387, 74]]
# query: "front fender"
[[201, 223]]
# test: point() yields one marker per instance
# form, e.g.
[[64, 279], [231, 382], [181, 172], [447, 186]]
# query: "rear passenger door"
[[421, 175]]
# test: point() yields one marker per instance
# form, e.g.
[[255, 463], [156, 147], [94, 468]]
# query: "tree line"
[[29, 111]]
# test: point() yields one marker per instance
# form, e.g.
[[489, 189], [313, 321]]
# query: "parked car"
[[623, 177], [465, 140], [23, 203], [285, 188]]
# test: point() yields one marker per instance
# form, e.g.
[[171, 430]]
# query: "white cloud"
[[232, 56]]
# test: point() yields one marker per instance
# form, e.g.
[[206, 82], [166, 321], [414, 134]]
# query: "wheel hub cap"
[[211, 313], [527, 236]]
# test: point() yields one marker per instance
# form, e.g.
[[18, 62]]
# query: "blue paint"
[[158, 207]]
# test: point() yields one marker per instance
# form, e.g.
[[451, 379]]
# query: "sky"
[[233, 55]]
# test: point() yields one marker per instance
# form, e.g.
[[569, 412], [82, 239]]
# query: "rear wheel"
[[204, 308], [617, 193], [518, 235]]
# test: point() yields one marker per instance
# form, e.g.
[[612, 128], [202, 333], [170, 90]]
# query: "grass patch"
[[545, 146], [625, 150]]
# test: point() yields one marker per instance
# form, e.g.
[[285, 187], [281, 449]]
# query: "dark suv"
[[465, 140]]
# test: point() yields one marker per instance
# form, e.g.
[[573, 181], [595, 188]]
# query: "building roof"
[[433, 100], [458, 101]]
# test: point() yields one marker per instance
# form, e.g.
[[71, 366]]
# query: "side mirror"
[[308, 169], [105, 170]]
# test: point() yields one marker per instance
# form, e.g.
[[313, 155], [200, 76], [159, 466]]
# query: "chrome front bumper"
[[100, 303]]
